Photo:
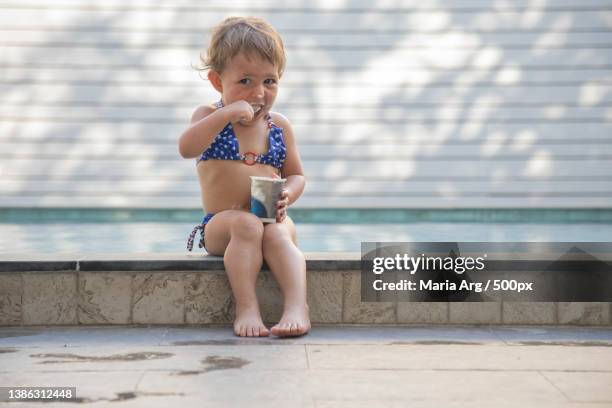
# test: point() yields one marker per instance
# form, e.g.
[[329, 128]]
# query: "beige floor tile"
[[584, 386], [459, 357]]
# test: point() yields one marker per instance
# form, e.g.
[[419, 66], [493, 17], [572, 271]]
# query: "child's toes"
[[279, 329]]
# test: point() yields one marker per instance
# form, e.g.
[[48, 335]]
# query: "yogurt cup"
[[265, 193]]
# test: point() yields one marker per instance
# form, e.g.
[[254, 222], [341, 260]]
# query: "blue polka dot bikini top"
[[225, 147]]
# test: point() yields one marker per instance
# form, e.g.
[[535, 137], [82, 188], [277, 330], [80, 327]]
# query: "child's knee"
[[275, 235], [247, 226]]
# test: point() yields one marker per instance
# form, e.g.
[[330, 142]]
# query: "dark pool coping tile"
[[39, 262], [541, 335], [315, 261], [90, 264], [77, 336], [222, 335], [337, 335]]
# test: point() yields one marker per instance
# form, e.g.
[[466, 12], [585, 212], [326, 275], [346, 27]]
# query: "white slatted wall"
[[405, 103]]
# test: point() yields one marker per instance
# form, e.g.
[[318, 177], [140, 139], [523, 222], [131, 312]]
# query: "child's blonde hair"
[[250, 35]]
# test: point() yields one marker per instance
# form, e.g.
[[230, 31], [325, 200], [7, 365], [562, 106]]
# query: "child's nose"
[[259, 91]]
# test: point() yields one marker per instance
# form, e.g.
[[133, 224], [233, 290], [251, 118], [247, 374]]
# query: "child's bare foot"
[[294, 322], [248, 323]]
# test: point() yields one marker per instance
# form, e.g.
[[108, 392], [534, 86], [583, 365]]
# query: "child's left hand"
[[281, 205]]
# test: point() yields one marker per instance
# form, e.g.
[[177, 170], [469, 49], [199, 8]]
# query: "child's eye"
[[245, 81], [270, 81]]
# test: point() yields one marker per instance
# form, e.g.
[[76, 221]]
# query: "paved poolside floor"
[[349, 366]]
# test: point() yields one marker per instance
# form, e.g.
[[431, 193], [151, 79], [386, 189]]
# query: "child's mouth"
[[256, 109]]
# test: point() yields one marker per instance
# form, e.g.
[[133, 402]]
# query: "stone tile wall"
[[204, 297]]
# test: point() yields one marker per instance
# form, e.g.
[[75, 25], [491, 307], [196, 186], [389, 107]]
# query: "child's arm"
[[206, 123], [292, 168]]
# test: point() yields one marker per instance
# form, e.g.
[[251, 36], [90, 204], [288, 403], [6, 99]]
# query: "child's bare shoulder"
[[281, 120], [201, 112]]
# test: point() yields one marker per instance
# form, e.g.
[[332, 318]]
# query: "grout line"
[[131, 317], [78, 262], [307, 358], [22, 297], [395, 310], [342, 314], [492, 331], [78, 282], [163, 337], [76, 294], [139, 381], [184, 279], [396, 301], [554, 385]]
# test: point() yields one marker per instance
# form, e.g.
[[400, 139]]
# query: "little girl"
[[234, 139]]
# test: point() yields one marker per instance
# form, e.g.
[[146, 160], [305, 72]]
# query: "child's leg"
[[288, 266], [236, 235]]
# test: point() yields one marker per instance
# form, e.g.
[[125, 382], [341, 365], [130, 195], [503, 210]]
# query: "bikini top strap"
[[271, 123]]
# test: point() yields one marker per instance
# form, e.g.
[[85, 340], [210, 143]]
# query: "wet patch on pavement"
[[121, 396], [192, 372], [214, 363], [74, 358], [223, 363]]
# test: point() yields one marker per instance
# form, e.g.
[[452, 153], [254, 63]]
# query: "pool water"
[[100, 237]]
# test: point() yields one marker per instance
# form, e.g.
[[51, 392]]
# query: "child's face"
[[253, 80]]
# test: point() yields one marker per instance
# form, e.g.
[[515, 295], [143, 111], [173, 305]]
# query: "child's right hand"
[[240, 111]]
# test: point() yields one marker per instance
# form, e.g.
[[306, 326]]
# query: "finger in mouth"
[[256, 108]]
